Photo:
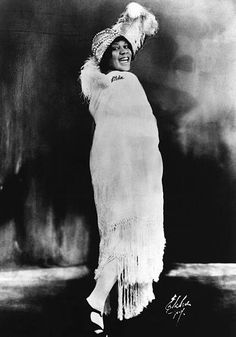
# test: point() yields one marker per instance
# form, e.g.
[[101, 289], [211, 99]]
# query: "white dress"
[[126, 169]]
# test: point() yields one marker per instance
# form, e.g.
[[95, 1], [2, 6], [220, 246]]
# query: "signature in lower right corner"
[[177, 307]]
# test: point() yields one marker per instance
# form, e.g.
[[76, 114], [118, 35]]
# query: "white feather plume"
[[91, 77], [134, 10], [136, 23]]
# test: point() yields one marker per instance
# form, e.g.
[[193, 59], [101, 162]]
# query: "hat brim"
[[117, 38]]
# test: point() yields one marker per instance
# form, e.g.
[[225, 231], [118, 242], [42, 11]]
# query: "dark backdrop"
[[47, 214]]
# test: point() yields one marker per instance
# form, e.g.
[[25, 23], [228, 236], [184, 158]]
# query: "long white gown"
[[126, 169]]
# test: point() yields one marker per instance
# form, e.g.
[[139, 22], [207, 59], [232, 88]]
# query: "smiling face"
[[121, 55]]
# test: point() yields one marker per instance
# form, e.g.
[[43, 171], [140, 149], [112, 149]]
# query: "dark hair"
[[104, 63]]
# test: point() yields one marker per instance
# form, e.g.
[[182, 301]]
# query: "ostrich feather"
[[91, 77]]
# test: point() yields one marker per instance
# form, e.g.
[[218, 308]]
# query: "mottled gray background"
[[47, 215]]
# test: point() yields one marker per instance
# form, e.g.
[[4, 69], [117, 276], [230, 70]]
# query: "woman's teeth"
[[124, 59]]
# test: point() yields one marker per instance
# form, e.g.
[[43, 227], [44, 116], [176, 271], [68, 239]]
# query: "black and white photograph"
[[117, 168]]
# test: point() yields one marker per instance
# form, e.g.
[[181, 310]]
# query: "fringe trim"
[[138, 245], [132, 299]]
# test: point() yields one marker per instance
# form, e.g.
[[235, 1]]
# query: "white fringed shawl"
[[126, 170]]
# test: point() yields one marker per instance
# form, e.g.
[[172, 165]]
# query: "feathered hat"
[[134, 24]]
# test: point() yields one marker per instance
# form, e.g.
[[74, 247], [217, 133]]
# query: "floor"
[[191, 300]]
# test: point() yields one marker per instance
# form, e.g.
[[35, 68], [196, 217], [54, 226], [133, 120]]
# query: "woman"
[[126, 169]]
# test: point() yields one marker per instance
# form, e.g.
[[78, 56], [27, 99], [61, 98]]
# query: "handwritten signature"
[[177, 307], [115, 78]]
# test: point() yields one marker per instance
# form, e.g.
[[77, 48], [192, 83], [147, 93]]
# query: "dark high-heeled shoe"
[[93, 327]]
